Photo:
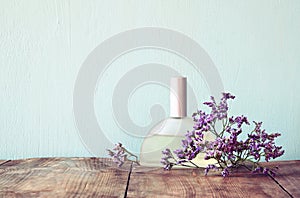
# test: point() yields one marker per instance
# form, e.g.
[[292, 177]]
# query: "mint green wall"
[[254, 45]]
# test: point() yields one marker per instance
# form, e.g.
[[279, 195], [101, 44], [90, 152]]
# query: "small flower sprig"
[[120, 154], [228, 150]]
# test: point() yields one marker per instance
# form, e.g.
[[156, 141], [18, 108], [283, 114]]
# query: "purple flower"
[[209, 167], [266, 170], [119, 155], [228, 149], [228, 96], [258, 169], [168, 166], [168, 159], [240, 120], [180, 153], [225, 172], [166, 152]]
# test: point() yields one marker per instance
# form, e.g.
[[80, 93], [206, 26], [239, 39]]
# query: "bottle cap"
[[178, 97]]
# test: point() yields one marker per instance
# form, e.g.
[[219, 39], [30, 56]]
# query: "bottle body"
[[170, 132], [167, 134]]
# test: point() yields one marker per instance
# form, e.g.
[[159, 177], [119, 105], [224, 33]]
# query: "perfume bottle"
[[169, 132]]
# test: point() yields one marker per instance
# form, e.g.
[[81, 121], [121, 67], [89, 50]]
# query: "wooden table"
[[98, 177]]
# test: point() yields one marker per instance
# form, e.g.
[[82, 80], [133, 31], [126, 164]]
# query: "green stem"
[[194, 164], [132, 155]]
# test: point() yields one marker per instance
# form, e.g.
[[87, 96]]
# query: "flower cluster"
[[227, 149], [120, 154], [168, 160]]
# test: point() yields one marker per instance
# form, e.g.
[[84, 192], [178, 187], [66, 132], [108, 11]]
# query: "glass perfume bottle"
[[170, 132]]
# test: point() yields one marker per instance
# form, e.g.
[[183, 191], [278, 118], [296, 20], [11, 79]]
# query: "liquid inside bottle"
[[170, 132], [167, 134]]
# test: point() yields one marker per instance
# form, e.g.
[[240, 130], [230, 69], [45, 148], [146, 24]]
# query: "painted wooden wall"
[[43, 44]]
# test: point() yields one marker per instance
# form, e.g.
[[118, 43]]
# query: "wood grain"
[[3, 162], [98, 177], [192, 183], [288, 176], [63, 177]]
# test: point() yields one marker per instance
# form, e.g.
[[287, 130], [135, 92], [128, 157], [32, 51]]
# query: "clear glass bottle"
[[169, 132]]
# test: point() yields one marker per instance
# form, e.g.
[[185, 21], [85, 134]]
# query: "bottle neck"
[[178, 97]]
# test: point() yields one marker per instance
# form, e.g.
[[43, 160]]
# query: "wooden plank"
[[288, 176], [62, 177], [192, 183], [94, 177]]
